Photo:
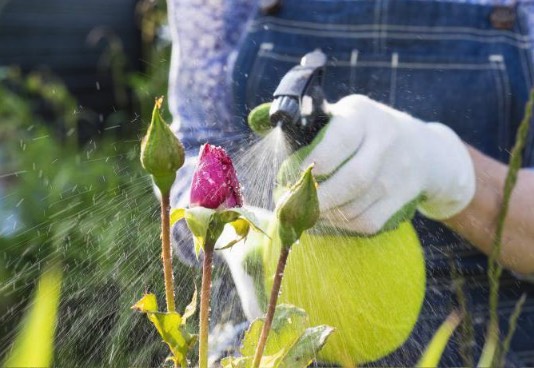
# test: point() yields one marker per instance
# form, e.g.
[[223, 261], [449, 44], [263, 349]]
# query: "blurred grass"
[[87, 206], [34, 346]]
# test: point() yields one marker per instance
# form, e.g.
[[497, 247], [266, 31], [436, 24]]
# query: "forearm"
[[477, 223]]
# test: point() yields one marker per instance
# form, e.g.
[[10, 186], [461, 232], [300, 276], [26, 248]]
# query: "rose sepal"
[[207, 224]]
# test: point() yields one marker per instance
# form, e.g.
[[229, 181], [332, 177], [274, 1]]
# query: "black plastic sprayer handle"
[[298, 104]]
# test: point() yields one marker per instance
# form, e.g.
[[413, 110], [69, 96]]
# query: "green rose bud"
[[298, 209], [258, 119], [161, 152]]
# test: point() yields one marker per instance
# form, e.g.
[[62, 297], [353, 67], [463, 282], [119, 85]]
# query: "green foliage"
[[291, 342], [34, 346], [435, 348], [512, 325], [491, 348], [75, 208], [171, 326], [90, 207]]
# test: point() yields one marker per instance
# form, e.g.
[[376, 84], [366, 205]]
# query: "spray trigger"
[[299, 103]]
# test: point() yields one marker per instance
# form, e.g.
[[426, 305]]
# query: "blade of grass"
[[489, 351], [34, 345], [466, 329], [512, 324], [494, 268], [435, 348]]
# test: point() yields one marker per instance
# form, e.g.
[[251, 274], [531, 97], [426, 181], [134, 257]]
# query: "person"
[[430, 95]]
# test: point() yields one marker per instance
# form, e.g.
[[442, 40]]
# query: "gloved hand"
[[381, 164]]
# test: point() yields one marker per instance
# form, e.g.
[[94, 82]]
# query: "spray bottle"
[[370, 289]]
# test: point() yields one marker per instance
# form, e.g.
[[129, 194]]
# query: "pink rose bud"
[[215, 183]]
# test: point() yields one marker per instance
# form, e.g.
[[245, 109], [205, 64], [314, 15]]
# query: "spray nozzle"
[[298, 105]]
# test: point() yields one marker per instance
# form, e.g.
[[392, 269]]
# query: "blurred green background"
[[71, 190]]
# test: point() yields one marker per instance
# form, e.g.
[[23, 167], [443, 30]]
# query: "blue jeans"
[[439, 61]]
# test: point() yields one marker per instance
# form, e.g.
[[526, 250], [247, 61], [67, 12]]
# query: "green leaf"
[[241, 220], [435, 348], [34, 345], [242, 213], [198, 220], [291, 342], [170, 326], [148, 303], [241, 227], [176, 215], [305, 349], [289, 322]]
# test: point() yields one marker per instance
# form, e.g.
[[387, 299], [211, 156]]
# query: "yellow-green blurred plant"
[[34, 345]]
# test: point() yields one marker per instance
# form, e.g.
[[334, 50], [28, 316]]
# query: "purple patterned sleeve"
[[205, 35]]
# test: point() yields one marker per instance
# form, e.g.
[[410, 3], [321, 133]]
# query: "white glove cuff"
[[451, 183]]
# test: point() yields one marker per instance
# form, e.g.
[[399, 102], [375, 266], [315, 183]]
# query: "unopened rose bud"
[[215, 184], [161, 152], [298, 209]]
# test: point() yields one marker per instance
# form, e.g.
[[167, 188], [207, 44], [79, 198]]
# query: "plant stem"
[[282, 260], [205, 292], [494, 268], [166, 252], [512, 324]]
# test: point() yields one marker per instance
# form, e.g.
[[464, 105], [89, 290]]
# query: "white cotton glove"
[[381, 164]]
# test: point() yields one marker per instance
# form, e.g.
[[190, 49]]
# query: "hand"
[[381, 164]]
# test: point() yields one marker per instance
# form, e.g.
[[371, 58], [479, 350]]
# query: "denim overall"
[[439, 61]]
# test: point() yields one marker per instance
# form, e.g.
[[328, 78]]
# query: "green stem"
[[512, 324], [275, 291], [466, 330], [205, 292], [166, 254], [494, 268]]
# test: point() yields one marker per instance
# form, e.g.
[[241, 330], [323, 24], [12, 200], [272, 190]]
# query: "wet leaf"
[[170, 326], [289, 322], [247, 215], [241, 220], [241, 227], [147, 303], [291, 342], [305, 349]]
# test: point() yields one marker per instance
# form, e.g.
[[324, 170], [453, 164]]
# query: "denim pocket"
[[471, 95]]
